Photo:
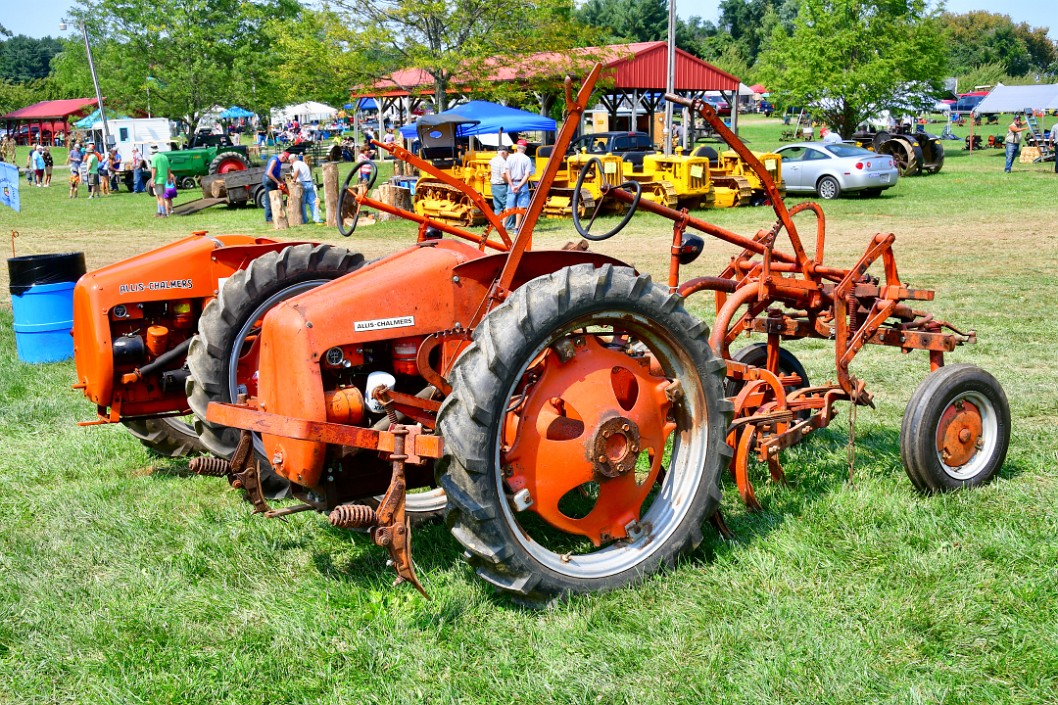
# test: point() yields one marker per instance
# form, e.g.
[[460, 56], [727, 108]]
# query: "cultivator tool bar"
[[787, 294]]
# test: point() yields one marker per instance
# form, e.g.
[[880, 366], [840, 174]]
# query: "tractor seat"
[[545, 152], [707, 151]]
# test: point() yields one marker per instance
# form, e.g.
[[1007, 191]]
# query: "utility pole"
[[95, 79], [670, 84]]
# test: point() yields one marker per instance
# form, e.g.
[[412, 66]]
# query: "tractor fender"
[[190, 268], [535, 263]]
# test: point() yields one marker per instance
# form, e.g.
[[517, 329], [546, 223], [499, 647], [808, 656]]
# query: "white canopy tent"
[[304, 112], [1014, 99]]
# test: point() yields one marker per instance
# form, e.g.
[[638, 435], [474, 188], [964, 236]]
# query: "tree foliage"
[[849, 59], [628, 20], [184, 53], [459, 38], [979, 38], [24, 59]]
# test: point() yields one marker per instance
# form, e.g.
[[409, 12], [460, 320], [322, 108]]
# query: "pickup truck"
[[632, 146]]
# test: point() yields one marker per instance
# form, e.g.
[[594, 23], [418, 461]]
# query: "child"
[[169, 194], [75, 183]]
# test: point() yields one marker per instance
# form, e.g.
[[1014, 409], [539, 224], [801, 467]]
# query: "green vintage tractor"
[[206, 154]]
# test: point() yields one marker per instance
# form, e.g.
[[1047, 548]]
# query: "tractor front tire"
[[227, 321], [591, 379], [170, 437]]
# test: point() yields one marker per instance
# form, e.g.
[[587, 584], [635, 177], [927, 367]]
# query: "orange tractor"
[[134, 322], [577, 417]]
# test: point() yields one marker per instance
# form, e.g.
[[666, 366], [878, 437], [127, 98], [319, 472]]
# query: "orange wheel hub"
[[959, 433], [594, 416]]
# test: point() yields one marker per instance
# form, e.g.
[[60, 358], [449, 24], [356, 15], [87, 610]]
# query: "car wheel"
[[828, 188]]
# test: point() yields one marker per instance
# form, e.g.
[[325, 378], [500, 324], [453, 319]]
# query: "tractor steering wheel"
[[345, 192], [585, 233]]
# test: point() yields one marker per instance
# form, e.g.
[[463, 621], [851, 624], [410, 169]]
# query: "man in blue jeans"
[[1013, 141], [272, 180], [499, 182], [519, 168]]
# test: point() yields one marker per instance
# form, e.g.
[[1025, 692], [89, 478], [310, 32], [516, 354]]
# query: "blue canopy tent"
[[491, 119], [87, 122], [235, 113]]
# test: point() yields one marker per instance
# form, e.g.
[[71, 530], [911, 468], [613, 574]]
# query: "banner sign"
[[9, 186]]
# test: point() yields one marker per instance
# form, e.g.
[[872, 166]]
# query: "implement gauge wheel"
[[584, 436], [956, 429]]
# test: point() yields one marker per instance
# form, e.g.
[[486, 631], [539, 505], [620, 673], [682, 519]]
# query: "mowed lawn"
[[125, 580]]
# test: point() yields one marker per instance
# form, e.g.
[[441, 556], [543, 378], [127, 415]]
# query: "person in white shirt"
[[500, 182], [519, 168], [301, 172]]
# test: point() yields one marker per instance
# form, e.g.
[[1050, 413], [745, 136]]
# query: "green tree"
[[850, 59], [24, 59], [628, 20], [979, 38], [461, 39], [184, 52]]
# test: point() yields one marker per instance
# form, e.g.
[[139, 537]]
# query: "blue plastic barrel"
[[42, 303]]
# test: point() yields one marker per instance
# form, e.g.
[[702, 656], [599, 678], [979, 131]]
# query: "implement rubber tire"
[[228, 161], [919, 431], [268, 280], [472, 421], [756, 355], [169, 437]]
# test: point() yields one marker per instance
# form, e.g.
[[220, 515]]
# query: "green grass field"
[[125, 580]]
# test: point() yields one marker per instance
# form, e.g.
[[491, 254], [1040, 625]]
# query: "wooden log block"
[[279, 217], [395, 196], [218, 189], [330, 192], [294, 199]]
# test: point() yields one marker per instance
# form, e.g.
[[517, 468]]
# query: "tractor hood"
[[411, 293]]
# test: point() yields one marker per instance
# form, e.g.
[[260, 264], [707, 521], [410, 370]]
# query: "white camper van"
[[134, 132]]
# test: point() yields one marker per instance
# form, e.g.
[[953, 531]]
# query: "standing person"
[[272, 180], [115, 168], [301, 172], [49, 165], [38, 165], [500, 180], [137, 171], [1054, 145], [519, 167], [75, 183], [160, 174], [74, 157], [1012, 142], [104, 173], [91, 163], [169, 194]]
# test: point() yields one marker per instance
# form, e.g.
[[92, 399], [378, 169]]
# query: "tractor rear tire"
[[226, 322], [959, 413], [228, 161], [498, 378], [170, 437]]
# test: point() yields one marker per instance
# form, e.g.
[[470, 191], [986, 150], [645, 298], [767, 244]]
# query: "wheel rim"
[[827, 188], [967, 435], [230, 165], [589, 413], [244, 355]]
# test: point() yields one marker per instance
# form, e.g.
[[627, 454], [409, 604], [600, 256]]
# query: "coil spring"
[[210, 467], [854, 312], [353, 516]]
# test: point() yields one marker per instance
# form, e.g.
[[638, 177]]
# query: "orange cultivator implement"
[[574, 415]]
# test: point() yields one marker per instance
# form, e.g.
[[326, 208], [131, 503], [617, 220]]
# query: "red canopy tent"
[[48, 117]]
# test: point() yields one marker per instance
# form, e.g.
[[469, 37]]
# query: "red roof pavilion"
[[48, 116]]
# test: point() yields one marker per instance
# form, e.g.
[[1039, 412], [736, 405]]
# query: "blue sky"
[[44, 18]]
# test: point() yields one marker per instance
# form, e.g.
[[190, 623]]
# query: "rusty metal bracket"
[[393, 532], [245, 474]]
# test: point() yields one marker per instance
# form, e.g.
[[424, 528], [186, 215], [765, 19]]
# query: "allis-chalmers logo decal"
[[155, 286], [380, 323]]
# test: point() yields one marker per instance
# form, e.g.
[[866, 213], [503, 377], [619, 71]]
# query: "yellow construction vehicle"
[[734, 182]]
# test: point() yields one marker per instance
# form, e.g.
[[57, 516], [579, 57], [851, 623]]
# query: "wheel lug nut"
[[964, 435]]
